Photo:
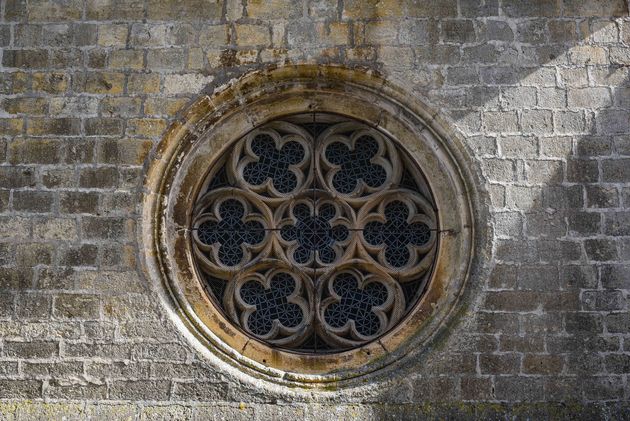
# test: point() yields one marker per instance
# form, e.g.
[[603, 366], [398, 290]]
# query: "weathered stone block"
[[166, 59], [126, 59], [16, 277], [418, 32], [480, 8], [617, 223], [364, 10], [143, 83], [248, 35], [615, 276], [83, 255], [440, 389], [112, 35], [515, 8], [599, 387], [441, 54], [34, 306], [55, 229], [588, 54], [613, 121], [29, 59], [78, 202], [125, 151], [561, 31], [103, 126], [477, 388], [35, 151], [164, 106], [214, 36], [85, 34], [542, 364], [589, 98], [121, 106], [603, 300], [16, 389], [14, 227], [505, 363], [51, 83], [114, 9], [97, 58], [130, 306], [601, 249], [76, 306], [485, 53], [615, 170], [106, 227], [458, 31], [33, 201], [602, 8], [186, 83], [82, 390], [193, 10], [115, 256], [527, 389], [199, 391], [103, 177], [140, 390], [602, 197], [100, 83], [501, 122], [151, 412], [537, 121], [584, 223], [146, 127], [118, 370], [33, 349], [426, 8], [33, 106]]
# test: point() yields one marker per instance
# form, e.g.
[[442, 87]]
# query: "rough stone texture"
[[539, 90]]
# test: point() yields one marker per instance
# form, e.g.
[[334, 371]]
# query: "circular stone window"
[[309, 224], [314, 233]]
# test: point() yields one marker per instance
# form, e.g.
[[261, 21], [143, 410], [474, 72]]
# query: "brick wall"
[[540, 90]]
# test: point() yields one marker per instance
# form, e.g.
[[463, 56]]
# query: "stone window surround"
[[180, 162]]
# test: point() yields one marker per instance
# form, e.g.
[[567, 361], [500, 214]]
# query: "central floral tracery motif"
[[314, 231], [320, 232]]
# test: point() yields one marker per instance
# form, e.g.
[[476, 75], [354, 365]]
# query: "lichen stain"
[[228, 58]]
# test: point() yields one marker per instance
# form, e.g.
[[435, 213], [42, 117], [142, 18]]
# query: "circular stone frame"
[[178, 166]]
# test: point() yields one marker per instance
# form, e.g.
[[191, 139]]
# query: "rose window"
[[315, 235]]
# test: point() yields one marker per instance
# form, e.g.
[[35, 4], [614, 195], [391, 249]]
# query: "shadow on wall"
[[548, 119]]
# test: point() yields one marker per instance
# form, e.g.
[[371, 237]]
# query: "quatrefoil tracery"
[[229, 230], [316, 230], [400, 232], [359, 306], [355, 161], [272, 303], [273, 161]]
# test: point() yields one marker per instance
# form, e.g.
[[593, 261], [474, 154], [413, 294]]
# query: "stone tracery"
[[320, 232]]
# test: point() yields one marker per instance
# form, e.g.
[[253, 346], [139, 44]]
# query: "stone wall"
[[539, 90]]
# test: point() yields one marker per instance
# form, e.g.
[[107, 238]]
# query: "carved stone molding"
[[309, 225]]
